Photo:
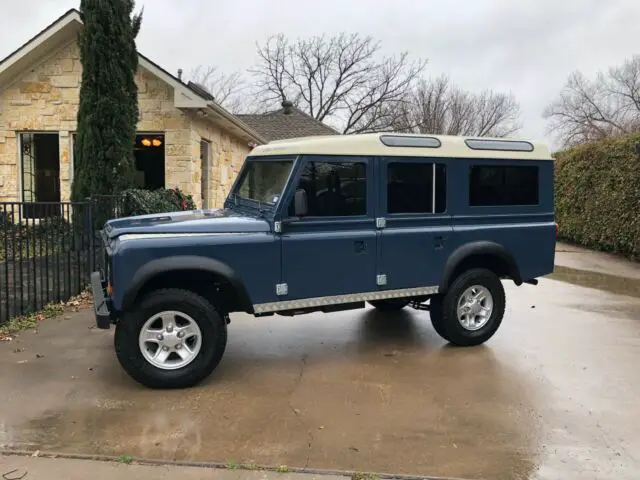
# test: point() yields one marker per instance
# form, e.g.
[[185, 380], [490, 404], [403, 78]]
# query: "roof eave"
[[233, 123]]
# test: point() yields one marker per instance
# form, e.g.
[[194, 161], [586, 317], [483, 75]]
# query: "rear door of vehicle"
[[415, 227]]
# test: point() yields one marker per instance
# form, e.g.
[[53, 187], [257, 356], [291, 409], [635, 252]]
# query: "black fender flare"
[[480, 248], [186, 262]]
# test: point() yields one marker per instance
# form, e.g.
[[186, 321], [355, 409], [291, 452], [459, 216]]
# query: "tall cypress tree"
[[108, 111]]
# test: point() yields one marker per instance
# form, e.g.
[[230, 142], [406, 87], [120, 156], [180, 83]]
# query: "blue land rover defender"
[[327, 224]]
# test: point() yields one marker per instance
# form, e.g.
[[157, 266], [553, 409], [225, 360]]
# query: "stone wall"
[[46, 98], [227, 157]]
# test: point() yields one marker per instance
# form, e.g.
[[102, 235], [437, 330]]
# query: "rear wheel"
[[390, 305], [173, 339], [435, 312], [472, 309]]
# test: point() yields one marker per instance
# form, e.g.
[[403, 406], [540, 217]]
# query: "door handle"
[[439, 242], [359, 246]]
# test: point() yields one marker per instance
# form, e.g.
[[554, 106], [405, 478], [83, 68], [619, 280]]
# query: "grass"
[[364, 476], [125, 459], [26, 322], [231, 465], [282, 469]]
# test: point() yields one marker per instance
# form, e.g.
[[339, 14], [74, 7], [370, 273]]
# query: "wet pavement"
[[553, 395]]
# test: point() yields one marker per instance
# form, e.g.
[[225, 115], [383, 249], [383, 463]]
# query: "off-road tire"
[[212, 325], [444, 308], [389, 305], [435, 312]]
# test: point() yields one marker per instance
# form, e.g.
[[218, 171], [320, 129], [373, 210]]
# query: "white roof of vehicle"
[[413, 145]]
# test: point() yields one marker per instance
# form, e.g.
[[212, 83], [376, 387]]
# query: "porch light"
[[156, 142], [146, 142]]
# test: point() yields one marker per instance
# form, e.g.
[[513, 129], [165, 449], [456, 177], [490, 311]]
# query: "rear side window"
[[497, 185], [410, 187]]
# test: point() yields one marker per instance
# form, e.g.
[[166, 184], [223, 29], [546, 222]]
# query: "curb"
[[353, 475]]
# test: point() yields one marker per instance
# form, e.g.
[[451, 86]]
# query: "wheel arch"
[[490, 255], [188, 270]]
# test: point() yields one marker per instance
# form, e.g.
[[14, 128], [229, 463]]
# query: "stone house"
[[185, 139]]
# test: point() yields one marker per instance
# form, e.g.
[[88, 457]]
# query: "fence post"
[[91, 233]]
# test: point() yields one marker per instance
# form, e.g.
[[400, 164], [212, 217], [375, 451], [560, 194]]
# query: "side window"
[[496, 185], [410, 187], [334, 189]]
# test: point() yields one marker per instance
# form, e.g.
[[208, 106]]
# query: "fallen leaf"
[[320, 427], [36, 453], [296, 411], [354, 449], [39, 355], [18, 350], [23, 361]]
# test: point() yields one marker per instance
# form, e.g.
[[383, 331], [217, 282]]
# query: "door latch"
[[439, 242], [360, 246]]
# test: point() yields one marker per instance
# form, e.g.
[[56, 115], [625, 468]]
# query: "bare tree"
[[437, 106], [228, 89], [342, 79], [591, 110]]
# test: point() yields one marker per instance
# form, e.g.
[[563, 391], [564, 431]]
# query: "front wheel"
[[172, 339], [472, 309]]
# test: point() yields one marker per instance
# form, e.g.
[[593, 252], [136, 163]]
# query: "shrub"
[[143, 202], [597, 188]]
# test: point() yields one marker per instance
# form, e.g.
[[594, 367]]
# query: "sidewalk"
[[579, 258], [41, 468]]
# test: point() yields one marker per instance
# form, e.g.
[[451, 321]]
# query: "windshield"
[[263, 180]]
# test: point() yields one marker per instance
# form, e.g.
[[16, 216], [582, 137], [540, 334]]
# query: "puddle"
[[601, 281]]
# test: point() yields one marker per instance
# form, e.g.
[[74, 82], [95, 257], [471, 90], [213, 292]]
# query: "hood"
[[192, 221]]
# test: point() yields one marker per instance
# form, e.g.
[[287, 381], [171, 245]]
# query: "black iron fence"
[[48, 251]]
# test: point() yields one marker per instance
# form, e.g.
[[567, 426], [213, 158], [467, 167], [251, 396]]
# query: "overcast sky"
[[527, 47]]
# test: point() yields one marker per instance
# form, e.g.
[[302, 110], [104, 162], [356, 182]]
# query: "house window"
[[416, 187], [40, 171], [205, 168], [149, 156], [498, 185]]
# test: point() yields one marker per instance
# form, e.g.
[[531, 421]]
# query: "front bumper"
[[100, 302]]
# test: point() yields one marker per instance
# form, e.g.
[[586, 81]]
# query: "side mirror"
[[300, 203]]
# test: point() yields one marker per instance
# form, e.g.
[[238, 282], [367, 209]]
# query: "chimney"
[[180, 74], [287, 105]]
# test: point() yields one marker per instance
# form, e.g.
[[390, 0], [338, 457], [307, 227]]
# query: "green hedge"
[[597, 188], [142, 202]]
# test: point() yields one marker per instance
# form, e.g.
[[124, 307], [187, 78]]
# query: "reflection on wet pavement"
[[552, 395]]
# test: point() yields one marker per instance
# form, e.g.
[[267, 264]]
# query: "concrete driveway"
[[553, 395]]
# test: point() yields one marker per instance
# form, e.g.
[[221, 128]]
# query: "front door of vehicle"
[[416, 236], [331, 250]]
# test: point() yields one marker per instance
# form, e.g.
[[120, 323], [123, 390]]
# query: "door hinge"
[[381, 280], [277, 227], [381, 222], [282, 289]]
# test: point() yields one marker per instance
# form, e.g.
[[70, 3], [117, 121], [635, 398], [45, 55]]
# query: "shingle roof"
[[278, 125]]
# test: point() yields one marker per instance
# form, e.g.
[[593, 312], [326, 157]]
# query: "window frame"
[[294, 181], [504, 164], [384, 182], [254, 204]]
